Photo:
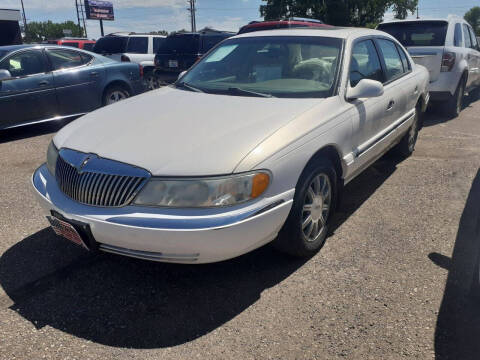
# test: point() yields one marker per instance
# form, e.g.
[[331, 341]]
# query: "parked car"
[[46, 82], [79, 43], [449, 50], [181, 50], [132, 47], [281, 24], [276, 124]]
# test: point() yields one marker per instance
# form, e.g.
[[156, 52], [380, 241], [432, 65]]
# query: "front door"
[[77, 81], [29, 95]]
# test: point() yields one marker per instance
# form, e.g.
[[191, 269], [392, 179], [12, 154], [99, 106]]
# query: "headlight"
[[203, 192], [52, 156]]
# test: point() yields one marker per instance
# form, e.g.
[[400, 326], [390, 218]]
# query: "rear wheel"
[[115, 94], [152, 81], [406, 146], [306, 228], [455, 103]]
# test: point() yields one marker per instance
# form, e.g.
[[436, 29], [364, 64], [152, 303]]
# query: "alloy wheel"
[[316, 207], [116, 96]]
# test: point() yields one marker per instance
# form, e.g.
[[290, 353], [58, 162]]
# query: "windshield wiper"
[[189, 87], [248, 92]]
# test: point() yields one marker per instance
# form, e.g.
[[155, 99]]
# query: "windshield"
[[181, 43], [417, 33], [280, 66], [110, 45], [3, 53]]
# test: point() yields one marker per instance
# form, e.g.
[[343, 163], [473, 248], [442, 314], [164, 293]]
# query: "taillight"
[[448, 60], [125, 58], [140, 68]]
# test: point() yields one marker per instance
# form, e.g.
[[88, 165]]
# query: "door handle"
[[390, 105], [94, 73], [43, 83], [415, 92]]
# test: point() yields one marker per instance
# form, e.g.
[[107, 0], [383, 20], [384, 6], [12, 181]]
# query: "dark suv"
[[181, 50]]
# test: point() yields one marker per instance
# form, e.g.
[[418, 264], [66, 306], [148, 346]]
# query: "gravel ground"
[[393, 281]]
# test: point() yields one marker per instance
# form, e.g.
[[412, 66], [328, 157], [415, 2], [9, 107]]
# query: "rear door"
[[473, 56], [29, 95], [77, 78], [424, 40]]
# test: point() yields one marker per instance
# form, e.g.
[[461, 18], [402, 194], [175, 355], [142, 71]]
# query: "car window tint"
[[24, 63], [393, 63], [71, 44], [137, 45], [406, 64], [88, 46], [66, 59], [468, 42], [417, 33], [365, 63], [458, 38], [473, 38], [157, 42]]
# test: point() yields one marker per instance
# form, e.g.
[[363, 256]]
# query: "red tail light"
[[140, 68], [125, 58], [448, 60]]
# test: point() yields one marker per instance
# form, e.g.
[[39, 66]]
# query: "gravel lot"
[[393, 281]]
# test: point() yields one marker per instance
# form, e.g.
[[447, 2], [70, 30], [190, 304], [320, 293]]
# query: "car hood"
[[174, 132]]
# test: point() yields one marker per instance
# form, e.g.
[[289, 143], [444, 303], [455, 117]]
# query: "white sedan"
[[252, 145]]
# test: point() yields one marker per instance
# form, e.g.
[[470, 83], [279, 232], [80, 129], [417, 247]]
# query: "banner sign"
[[99, 10]]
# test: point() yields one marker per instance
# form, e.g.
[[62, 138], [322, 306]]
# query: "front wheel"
[[115, 94], [306, 227], [152, 81]]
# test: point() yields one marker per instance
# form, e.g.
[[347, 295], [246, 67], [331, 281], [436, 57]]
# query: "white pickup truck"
[[449, 50], [132, 47]]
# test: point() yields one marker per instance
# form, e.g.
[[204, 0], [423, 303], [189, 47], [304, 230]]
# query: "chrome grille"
[[99, 182]]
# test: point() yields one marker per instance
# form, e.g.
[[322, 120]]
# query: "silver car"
[[252, 145]]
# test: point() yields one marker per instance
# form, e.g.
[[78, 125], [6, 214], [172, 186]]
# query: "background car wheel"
[[406, 146], [454, 105], [115, 94], [152, 81], [306, 228]]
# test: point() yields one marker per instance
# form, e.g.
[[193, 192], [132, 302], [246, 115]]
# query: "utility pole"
[[192, 15], [24, 18], [418, 15]]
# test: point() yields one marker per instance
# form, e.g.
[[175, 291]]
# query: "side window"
[[88, 46], [474, 38], [137, 45], [71, 44], [406, 64], [66, 59], [25, 63], [393, 63], [468, 42], [157, 42], [458, 38], [365, 63]]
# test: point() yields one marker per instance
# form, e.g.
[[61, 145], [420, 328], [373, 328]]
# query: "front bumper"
[[171, 235]]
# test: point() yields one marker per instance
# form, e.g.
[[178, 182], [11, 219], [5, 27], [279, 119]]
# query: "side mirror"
[[366, 88], [181, 74], [5, 74]]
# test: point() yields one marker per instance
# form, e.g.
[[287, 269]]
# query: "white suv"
[[449, 50], [132, 47]]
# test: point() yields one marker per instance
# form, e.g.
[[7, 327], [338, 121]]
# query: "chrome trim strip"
[[56, 118], [380, 136], [148, 255]]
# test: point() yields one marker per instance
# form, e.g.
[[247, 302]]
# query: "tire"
[[152, 81], [453, 107], [316, 190], [406, 146], [115, 93]]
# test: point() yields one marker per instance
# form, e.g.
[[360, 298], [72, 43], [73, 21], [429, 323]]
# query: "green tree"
[[160, 32], [473, 18], [41, 31], [338, 12]]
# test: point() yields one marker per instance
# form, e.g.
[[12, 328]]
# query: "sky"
[[170, 15]]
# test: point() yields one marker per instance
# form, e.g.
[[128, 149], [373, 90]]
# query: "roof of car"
[[16, 47], [448, 18], [335, 32]]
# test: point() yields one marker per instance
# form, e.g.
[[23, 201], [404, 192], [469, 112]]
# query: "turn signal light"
[[259, 184]]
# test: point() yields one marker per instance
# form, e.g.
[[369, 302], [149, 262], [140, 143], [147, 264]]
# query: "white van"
[[449, 50]]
